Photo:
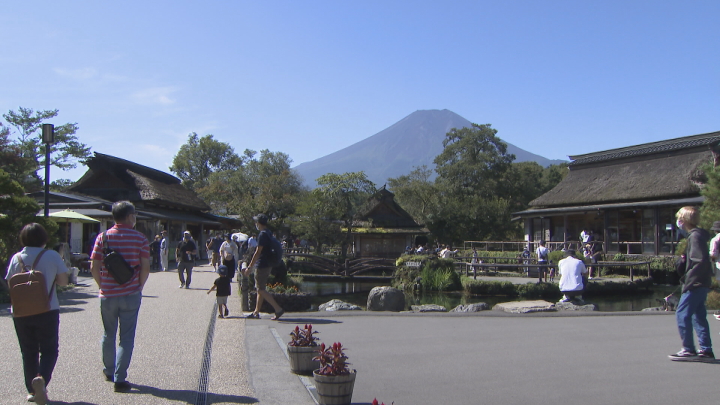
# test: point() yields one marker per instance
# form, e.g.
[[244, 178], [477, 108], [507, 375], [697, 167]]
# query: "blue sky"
[[308, 78]]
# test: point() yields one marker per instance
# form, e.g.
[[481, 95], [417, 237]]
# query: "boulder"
[[480, 306], [428, 308], [524, 307], [574, 306], [338, 305], [386, 299]]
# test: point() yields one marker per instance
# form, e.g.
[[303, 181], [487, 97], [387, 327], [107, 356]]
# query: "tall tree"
[[314, 220], [17, 210], [474, 161], [710, 209], [65, 152], [475, 184], [264, 184], [199, 157], [416, 193], [345, 194]]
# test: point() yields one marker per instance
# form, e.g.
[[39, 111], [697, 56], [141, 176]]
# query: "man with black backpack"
[[119, 298], [268, 252]]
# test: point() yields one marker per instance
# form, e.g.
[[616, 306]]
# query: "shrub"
[[440, 275], [713, 300], [482, 287], [537, 290]]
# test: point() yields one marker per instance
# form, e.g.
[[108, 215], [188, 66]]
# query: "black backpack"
[[275, 255]]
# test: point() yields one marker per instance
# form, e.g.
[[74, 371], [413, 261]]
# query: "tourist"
[[222, 285], [229, 255], [572, 270], [543, 255], [155, 253], [592, 252], [120, 304], [164, 251], [447, 252], [38, 334], [715, 248], [695, 271], [261, 259], [185, 257]]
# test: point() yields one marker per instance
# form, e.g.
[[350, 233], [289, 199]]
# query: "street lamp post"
[[48, 134]]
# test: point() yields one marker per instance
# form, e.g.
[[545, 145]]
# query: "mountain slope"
[[413, 141]]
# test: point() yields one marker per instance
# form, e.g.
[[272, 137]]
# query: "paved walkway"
[[484, 358]]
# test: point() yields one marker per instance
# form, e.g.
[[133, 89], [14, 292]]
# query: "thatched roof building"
[[118, 179], [161, 200], [384, 228], [628, 196]]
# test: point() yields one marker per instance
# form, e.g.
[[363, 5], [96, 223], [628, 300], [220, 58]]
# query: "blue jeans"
[[691, 314], [123, 310]]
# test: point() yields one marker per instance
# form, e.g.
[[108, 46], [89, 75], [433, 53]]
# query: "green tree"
[[17, 210], [345, 194], [264, 184], [710, 209], [474, 161], [65, 152], [314, 220], [199, 157], [477, 187], [416, 193]]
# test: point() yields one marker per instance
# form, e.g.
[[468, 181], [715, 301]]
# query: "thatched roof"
[[660, 170], [116, 179], [382, 211]]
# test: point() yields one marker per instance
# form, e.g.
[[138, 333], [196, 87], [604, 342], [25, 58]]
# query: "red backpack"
[[28, 290]]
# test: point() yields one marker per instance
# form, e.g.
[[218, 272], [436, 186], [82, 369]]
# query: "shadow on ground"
[[184, 395]]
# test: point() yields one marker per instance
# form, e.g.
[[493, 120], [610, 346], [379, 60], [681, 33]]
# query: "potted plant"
[[301, 350], [334, 381]]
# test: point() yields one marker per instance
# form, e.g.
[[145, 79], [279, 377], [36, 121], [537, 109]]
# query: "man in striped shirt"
[[120, 303]]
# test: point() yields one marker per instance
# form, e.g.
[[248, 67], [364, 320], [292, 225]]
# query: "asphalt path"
[[184, 354]]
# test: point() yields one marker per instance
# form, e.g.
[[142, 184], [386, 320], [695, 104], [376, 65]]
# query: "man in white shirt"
[[447, 253], [715, 248], [572, 273]]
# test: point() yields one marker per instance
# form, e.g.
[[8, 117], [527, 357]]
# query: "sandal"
[[277, 315], [252, 316]]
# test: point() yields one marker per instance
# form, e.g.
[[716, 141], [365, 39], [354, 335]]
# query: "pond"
[[357, 293]]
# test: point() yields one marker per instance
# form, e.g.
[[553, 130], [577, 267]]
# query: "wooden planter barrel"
[[336, 389], [301, 359]]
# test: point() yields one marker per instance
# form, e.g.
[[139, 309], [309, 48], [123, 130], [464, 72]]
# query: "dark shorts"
[[261, 277]]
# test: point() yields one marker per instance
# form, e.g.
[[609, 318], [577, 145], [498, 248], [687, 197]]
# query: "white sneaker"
[[40, 395]]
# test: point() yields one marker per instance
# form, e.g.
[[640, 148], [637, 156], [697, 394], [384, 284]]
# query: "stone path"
[[169, 349]]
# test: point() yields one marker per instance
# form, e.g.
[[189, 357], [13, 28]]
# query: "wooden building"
[[384, 229], [627, 196], [161, 200]]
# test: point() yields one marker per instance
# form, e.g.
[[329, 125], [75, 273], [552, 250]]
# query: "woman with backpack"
[[37, 334], [229, 255]]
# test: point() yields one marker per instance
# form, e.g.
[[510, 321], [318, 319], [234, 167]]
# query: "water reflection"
[[356, 293]]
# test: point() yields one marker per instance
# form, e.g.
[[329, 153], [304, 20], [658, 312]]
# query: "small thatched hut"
[[627, 196], [384, 229]]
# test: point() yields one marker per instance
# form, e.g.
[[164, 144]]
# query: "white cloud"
[[77, 74], [155, 95]]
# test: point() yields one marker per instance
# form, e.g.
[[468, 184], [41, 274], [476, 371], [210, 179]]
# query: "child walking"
[[222, 286]]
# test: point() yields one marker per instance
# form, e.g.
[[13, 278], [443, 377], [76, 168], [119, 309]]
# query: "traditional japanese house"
[[161, 200], [384, 229], [627, 196]]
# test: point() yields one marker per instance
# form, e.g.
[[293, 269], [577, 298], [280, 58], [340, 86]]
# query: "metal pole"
[[47, 180], [48, 135]]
